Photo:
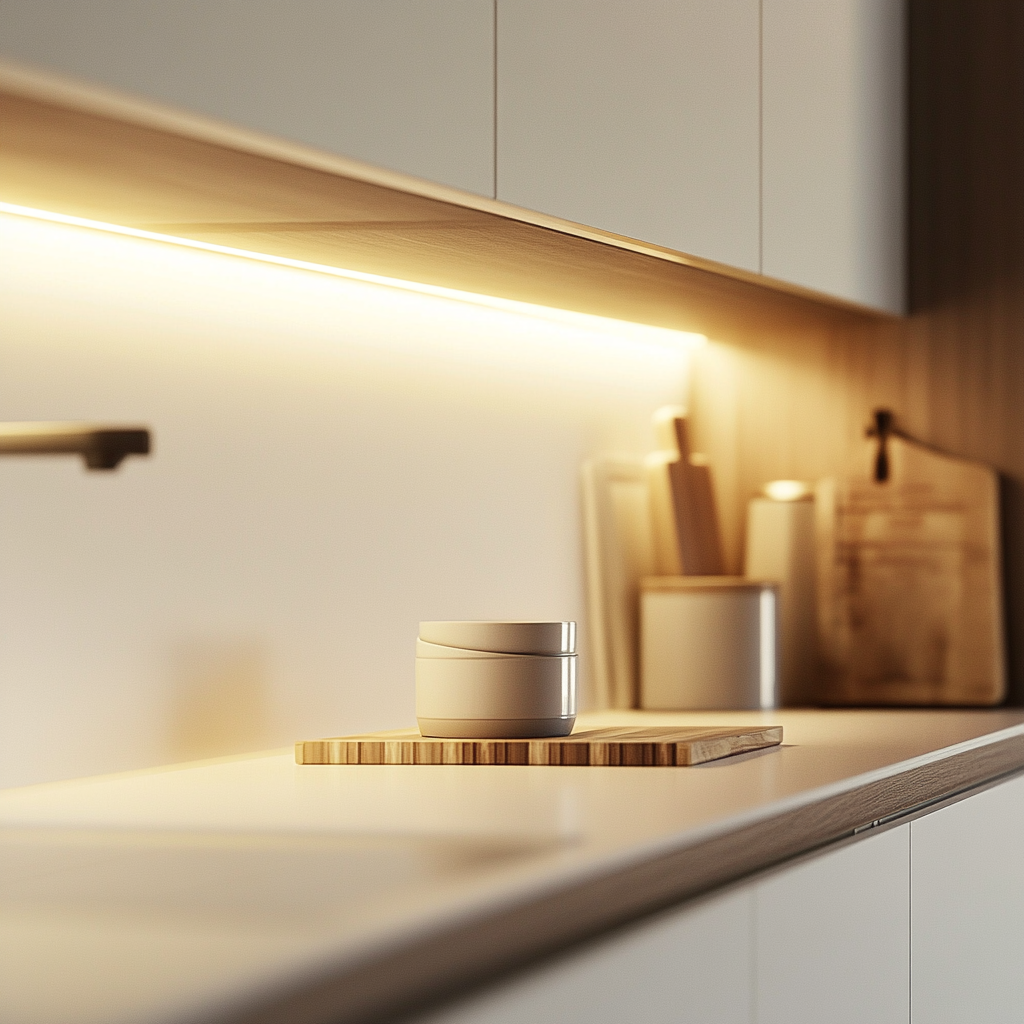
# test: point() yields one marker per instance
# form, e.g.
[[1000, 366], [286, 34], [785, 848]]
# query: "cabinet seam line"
[[760, 136], [753, 956], [494, 99], [910, 922]]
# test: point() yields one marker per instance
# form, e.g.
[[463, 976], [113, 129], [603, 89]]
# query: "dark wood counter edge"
[[426, 971]]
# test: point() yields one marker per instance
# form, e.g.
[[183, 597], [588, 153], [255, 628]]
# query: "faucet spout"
[[101, 447]]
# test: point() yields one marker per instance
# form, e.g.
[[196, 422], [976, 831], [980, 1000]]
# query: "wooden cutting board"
[[909, 583], [687, 539], [628, 746]]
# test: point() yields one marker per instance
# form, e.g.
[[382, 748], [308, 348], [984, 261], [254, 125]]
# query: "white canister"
[[708, 643]]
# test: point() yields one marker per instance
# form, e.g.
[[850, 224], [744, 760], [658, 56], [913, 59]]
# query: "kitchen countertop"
[[253, 889]]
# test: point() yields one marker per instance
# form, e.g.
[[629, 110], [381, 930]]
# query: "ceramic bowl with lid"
[[496, 679]]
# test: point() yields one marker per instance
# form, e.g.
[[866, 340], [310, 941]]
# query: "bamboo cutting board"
[[636, 746], [909, 588]]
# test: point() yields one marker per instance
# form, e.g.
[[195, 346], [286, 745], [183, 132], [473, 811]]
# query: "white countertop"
[[198, 892]]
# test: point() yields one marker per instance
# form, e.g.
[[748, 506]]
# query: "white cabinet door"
[[833, 936], [833, 147], [968, 910], [404, 85], [690, 966], [638, 117]]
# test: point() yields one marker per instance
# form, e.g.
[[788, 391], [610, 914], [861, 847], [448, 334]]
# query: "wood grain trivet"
[[661, 746]]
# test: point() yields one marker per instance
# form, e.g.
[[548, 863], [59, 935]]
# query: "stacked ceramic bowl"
[[496, 679]]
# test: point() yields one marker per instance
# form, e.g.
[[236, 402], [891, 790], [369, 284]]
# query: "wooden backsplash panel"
[[791, 402], [965, 367], [967, 227], [779, 404]]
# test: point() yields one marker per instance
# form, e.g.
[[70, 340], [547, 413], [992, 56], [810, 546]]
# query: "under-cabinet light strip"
[[570, 318]]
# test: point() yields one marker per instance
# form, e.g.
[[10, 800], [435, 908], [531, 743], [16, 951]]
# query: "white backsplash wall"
[[333, 462]]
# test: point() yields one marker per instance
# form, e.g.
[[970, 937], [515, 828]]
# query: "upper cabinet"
[[640, 118], [833, 184], [768, 135], [408, 86], [765, 136]]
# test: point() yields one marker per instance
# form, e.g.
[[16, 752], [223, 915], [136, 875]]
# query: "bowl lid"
[[503, 637]]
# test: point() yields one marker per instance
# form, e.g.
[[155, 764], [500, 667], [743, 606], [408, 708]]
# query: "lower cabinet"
[[967, 894], [691, 966], [832, 936], [920, 924], [827, 941]]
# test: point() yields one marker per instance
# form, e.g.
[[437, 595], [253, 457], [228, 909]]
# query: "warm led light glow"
[[395, 341], [643, 333], [787, 490]]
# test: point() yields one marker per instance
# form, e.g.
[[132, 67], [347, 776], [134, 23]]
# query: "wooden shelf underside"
[[86, 153]]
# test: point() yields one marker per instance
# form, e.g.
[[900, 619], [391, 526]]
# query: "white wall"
[[334, 461]]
